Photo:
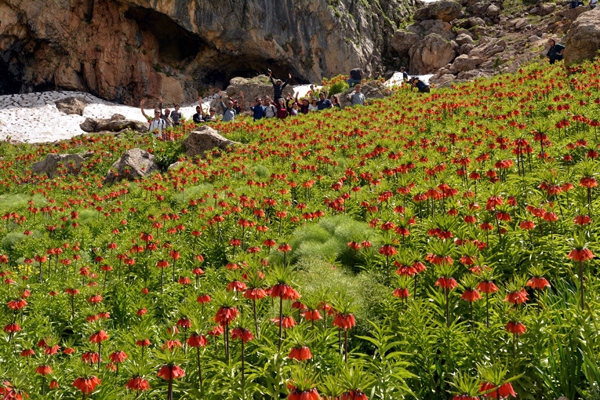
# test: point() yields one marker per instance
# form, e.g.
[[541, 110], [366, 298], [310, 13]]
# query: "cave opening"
[[9, 83]]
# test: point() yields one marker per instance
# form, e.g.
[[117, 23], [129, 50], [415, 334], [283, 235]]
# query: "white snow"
[[396, 79]]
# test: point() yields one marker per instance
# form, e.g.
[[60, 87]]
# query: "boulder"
[[464, 39], [259, 86], [471, 23], [116, 123], [133, 164], [442, 28], [72, 105], [487, 47], [518, 23], [479, 8], [465, 63], [403, 41], [543, 9], [205, 139], [493, 11], [443, 81], [444, 10], [52, 162], [465, 48], [430, 54], [571, 14], [583, 40]]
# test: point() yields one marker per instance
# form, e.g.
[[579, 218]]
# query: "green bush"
[[338, 87]]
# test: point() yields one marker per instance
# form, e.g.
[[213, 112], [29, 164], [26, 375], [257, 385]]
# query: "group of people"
[[579, 3], [276, 107]]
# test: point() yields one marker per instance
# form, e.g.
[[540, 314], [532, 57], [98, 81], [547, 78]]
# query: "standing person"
[[166, 115], [157, 126], [228, 111], [278, 86], [356, 76], [176, 115], [420, 85], [324, 103], [335, 100], [404, 74], [357, 98], [593, 4], [270, 109], [258, 110], [304, 106], [556, 51], [197, 118], [211, 116], [239, 107], [281, 109], [313, 105], [295, 110]]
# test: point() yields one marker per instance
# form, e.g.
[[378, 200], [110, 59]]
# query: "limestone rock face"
[[444, 10], [205, 139], [72, 105], [126, 50], [52, 162], [114, 124], [430, 54], [583, 40], [403, 41], [133, 164]]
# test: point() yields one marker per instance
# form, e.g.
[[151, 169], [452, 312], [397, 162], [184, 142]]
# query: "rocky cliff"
[[125, 50]]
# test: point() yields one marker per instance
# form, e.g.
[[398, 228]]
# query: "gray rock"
[[464, 39], [443, 10], [442, 28], [487, 47], [133, 164], [493, 11], [203, 139], [430, 54], [443, 81], [72, 105], [533, 38], [465, 63], [466, 48], [583, 40], [116, 123], [403, 41], [472, 23], [52, 162]]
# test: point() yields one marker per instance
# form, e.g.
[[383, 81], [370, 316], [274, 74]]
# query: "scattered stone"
[[493, 11], [472, 23], [116, 123], [465, 48], [205, 139], [533, 38], [133, 164], [52, 162], [583, 40], [487, 47], [72, 105], [464, 39]]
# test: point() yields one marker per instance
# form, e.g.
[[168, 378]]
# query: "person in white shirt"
[[157, 126]]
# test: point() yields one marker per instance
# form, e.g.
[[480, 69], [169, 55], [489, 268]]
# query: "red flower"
[[588, 182], [518, 297], [487, 287], [502, 391], [402, 293], [284, 291], [447, 283], [387, 250], [98, 337], [538, 283], [581, 255], [527, 225], [312, 315], [43, 370], [225, 315], [236, 286], [464, 397], [300, 353], [17, 304], [138, 383], [516, 328], [242, 333], [118, 356], [86, 385], [354, 395], [297, 394], [203, 298], [582, 220], [286, 322], [196, 340], [344, 321], [169, 372], [12, 328], [255, 294], [471, 295], [90, 357], [143, 343]]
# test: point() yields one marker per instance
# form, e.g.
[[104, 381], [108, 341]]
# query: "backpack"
[[356, 73]]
